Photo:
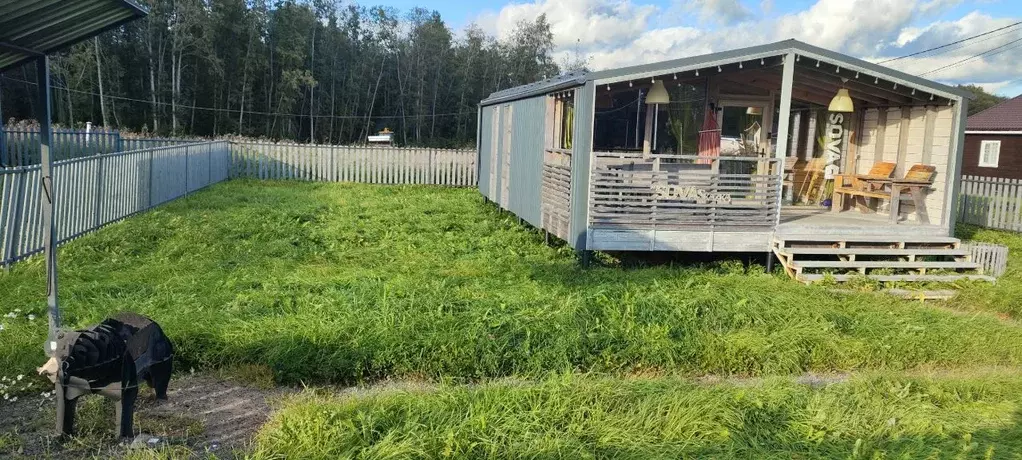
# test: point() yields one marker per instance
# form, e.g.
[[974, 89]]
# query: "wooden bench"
[[878, 186]]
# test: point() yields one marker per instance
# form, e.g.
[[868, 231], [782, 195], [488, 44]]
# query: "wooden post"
[[782, 123], [647, 138]]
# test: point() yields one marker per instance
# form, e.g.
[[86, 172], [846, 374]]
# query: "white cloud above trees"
[[623, 32]]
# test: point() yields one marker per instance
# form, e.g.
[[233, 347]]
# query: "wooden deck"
[[804, 220]]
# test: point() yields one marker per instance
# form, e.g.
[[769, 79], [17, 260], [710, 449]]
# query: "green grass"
[[345, 283], [870, 416], [1004, 298]]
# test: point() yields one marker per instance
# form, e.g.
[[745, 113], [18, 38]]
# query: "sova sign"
[[835, 137]]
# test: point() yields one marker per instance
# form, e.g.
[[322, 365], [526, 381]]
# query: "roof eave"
[[129, 8]]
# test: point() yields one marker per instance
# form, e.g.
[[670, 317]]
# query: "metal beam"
[[20, 49], [827, 89], [48, 194], [888, 93]]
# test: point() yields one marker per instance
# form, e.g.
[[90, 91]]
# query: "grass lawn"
[[341, 283], [869, 416]]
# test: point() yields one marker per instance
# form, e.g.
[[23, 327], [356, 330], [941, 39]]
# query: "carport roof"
[[33, 28]]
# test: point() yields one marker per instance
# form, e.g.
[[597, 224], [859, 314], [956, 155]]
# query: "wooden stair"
[[885, 259]]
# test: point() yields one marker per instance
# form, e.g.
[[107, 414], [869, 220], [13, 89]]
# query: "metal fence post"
[[186, 171], [14, 220], [150, 182], [97, 209]]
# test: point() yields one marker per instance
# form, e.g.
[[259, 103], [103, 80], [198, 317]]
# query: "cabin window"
[[989, 154], [561, 121], [567, 123]]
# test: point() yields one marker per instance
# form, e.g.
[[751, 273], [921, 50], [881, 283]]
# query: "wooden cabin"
[[993, 141], [586, 157]]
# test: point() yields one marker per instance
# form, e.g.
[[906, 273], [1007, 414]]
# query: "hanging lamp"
[[658, 94], [842, 101]]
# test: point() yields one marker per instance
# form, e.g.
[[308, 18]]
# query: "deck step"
[[939, 294], [826, 251], [883, 264], [920, 239], [896, 278]]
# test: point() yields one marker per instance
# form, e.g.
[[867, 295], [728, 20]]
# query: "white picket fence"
[[94, 191], [991, 202], [364, 164]]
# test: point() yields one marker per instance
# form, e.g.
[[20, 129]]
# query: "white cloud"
[[997, 87], [718, 11], [622, 32], [606, 23]]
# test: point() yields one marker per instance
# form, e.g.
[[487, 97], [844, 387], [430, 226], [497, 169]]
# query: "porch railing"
[[683, 192]]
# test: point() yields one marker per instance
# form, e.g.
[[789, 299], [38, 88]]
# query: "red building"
[[993, 141]]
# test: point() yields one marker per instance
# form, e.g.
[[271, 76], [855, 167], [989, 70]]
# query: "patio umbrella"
[[709, 138]]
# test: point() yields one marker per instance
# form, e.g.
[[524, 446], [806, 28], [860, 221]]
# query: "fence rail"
[[20, 147], [94, 191], [336, 163], [991, 202]]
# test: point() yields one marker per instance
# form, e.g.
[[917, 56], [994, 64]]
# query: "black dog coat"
[[111, 359]]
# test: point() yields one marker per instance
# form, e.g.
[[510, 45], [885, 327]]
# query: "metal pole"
[[49, 227], [3, 135]]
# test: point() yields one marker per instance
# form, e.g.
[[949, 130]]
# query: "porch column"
[[788, 77], [47, 191]]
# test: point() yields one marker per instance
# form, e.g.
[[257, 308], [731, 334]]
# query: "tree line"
[[306, 70]]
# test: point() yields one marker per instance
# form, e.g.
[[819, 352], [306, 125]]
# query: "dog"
[[109, 359]]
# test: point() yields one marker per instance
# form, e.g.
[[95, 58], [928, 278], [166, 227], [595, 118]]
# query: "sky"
[[614, 33]]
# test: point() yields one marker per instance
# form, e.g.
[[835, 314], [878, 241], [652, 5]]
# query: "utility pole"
[[99, 78]]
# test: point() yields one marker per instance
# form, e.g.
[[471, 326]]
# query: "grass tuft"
[[870, 416]]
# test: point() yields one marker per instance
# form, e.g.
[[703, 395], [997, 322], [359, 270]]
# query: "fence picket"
[[991, 202], [100, 187]]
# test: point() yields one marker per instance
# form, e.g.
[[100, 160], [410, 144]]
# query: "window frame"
[[556, 115], [982, 154]]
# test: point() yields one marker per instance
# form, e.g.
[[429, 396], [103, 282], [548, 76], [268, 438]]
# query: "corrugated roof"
[[721, 58], [1006, 116], [549, 85], [31, 28]]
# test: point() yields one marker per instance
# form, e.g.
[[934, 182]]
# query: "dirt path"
[[203, 414]]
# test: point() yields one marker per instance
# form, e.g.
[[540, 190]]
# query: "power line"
[[250, 112], [950, 44], [987, 52]]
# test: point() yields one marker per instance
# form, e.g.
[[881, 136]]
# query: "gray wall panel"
[[527, 158], [486, 139], [582, 152]]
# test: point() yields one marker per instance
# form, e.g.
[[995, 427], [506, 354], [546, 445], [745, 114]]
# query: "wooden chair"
[[861, 187], [812, 176], [916, 180]]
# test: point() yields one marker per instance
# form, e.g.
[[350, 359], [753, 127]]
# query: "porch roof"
[[30, 29], [883, 76]]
